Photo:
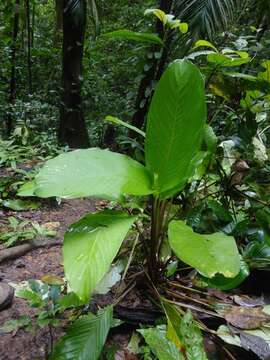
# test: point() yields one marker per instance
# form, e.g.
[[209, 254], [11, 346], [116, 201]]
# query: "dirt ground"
[[23, 345]]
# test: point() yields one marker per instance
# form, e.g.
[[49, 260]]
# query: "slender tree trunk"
[[33, 24], [12, 84], [263, 25], [153, 74], [72, 129], [58, 21], [109, 136], [29, 41], [22, 31]]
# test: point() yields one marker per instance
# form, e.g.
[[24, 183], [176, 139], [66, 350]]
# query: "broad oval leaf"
[[204, 43], [85, 338], [110, 279], [162, 347], [175, 126], [223, 283], [135, 36], [226, 61], [92, 172], [27, 189], [161, 15], [210, 254], [90, 246], [183, 27], [19, 205], [184, 333]]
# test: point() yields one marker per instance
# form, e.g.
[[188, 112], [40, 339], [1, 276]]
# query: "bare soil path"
[[22, 345]]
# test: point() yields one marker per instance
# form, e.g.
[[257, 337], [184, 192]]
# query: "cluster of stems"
[[159, 223]]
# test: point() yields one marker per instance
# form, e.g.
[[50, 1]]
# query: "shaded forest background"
[[117, 77]]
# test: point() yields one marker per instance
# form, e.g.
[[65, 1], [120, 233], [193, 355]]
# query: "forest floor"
[[23, 345], [134, 308]]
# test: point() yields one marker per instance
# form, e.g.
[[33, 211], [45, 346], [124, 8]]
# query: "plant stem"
[[131, 256], [152, 256], [51, 339], [161, 226], [157, 226]]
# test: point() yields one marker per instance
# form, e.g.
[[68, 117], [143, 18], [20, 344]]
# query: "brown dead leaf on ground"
[[53, 225], [247, 301], [125, 355], [245, 317]]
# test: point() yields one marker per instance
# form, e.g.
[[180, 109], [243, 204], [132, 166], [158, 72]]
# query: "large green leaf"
[[92, 172], [175, 126], [19, 205], [163, 348], [184, 333], [27, 189], [90, 246], [135, 36], [226, 61], [223, 283], [210, 254], [85, 337]]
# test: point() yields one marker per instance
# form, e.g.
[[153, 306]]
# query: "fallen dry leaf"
[[52, 280], [125, 355], [53, 225], [247, 301], [256, 344], [245, 317]]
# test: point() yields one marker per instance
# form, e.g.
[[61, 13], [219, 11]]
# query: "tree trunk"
[[58, 22], [263, 25], [33, 24], [12, 84], [153, 74], [29, 42], [72, 129], [109, 137]]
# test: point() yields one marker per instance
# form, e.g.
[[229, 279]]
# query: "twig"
[[250, 197], [177, 295], [51, 338], [131, 256], [129, 288], [187, 288], [192, 307]]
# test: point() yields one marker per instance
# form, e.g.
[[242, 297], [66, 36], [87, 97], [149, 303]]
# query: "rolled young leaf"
[[90, 246], [210, 254], [175, 126], [116, 121], [92, 172]]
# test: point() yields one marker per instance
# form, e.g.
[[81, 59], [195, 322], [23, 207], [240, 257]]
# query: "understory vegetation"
[[135, 142]]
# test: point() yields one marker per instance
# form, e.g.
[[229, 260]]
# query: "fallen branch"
[[20, 250], [136, 315]]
